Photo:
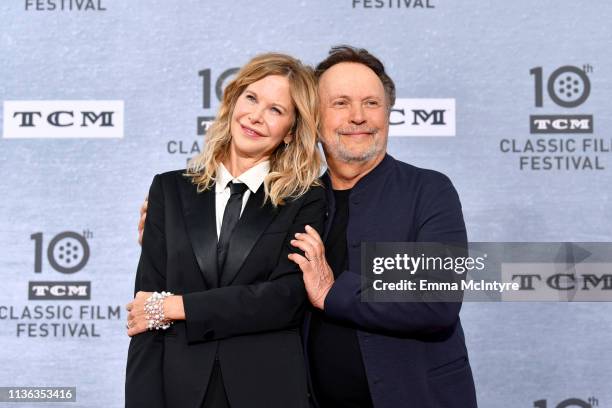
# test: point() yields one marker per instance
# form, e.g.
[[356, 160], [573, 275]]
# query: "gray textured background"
[[148, 54]]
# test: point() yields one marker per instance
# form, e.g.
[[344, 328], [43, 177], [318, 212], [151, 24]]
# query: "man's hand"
[[143, 216], [318, 276]]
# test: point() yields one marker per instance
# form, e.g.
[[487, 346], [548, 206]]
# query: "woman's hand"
[[137, 321]]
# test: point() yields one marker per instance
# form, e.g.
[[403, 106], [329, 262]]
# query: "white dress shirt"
[[253, 178]]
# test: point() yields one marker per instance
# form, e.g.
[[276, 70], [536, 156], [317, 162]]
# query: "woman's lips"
[[250, 132]]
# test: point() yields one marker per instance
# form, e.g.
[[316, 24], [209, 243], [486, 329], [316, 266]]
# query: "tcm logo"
[[67, 253], [204, 123], [422, 117], [565, 281], [567, 87], [59, 290], [561, 124], [63, 119], [543, 281]]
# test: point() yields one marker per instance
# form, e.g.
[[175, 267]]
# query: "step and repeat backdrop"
[[510, 99]]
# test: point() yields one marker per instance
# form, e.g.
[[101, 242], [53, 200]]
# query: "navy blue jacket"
[[414, 353]]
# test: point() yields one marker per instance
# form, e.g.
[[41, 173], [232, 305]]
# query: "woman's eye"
[[250, 98], [276, 111], [339, 103]]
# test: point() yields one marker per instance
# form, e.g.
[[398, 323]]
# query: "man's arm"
[[143, 217], [440, 220]]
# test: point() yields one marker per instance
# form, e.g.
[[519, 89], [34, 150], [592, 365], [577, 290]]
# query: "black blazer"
[[248, 318]]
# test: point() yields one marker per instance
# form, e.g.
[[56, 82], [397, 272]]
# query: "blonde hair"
[[294, 167]]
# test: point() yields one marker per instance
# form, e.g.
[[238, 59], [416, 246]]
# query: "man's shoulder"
[[422, 176]]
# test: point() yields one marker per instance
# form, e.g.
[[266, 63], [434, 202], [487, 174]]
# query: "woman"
[[217, 237]]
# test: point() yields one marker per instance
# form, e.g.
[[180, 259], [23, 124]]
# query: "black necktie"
[[230, 219]]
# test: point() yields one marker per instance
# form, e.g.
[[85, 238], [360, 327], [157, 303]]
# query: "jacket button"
[[209, 334], [355, 244]]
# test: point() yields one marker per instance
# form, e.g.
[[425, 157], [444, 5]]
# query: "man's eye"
[[372, 103]]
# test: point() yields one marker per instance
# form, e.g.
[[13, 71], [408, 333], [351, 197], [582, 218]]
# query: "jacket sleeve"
[[144, 372], [439, 219], [275, 304]]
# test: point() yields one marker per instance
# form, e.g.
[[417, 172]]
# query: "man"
[[364, 354], [370, 354]]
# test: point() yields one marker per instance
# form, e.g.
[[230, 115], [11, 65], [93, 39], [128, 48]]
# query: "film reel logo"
[[567, 87], [591, 402], [68, 252]]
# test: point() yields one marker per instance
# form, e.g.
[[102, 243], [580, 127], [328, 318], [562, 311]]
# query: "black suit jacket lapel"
[[253, 222], [200, 222]]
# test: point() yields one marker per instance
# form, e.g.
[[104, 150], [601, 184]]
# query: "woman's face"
[[262, 118]]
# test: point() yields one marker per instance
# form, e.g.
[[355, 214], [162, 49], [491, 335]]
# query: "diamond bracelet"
[[154, 310]]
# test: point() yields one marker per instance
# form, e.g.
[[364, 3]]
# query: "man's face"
[[354, 113]]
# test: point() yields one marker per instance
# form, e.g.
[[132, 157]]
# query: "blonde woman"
[[218, 304]]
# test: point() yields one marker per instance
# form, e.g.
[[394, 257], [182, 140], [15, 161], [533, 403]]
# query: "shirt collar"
[[253, 177]]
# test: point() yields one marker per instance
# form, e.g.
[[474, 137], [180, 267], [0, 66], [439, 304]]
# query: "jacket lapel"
[[253, 222], [199, 213]]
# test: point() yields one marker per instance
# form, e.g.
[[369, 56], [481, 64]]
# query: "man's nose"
[[357, 115]]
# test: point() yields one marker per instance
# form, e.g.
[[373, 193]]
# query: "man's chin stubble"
[[341, 152]]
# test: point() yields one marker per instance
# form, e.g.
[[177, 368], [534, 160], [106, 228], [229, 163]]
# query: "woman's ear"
[[288, 139]]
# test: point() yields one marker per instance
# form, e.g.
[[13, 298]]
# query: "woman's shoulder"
[[172, 178], [314, 193], [172, 174]]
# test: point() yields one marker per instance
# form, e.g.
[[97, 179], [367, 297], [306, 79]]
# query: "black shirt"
[[336, 366]]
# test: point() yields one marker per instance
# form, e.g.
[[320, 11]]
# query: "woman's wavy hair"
[[294, 167]]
